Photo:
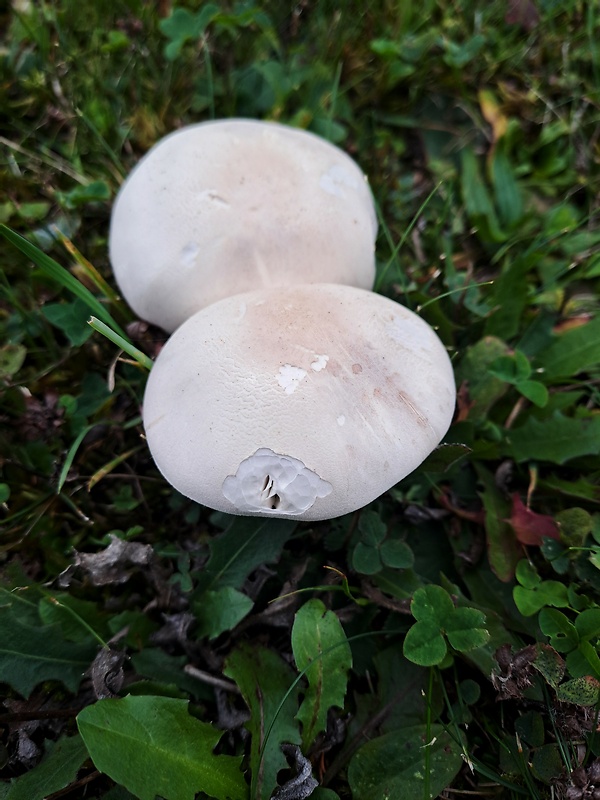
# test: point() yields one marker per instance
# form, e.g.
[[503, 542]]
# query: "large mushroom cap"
[[306, 402], [230, 206]]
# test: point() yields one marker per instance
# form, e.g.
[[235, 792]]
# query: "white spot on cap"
[[341, 420], [289, 377], [242, 310], [188, 255], [319, 363], [272, 484], [335, 179]]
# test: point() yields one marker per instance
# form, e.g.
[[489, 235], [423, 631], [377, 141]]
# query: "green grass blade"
[[53, 270], [141, 358]]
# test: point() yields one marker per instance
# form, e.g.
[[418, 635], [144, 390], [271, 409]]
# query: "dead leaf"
[[114, 564], [530, 528]]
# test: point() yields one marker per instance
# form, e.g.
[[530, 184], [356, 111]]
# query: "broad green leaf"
[[503, 549], [443, 457], [534, 391], [484, 388], [220, 610], [397, 554], [151, 745], [57, 769], [264, 680], [546, 593], [465, 629], [512, 368], [507, 194], [547, 762], [587, 623], [582, 691], [527, 574], [508, 297], [154, 663], [477, 199], [183, 26], [431, 604], [12, 357], [31, 652], [76, 618], [571, 352], [395, 766], [320, 647], [557, 627], [590, 654], [366, 559], [556, 439], [372, 528], [424, 644], [246, 544]]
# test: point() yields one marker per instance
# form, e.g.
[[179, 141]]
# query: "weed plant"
[[444, 640]]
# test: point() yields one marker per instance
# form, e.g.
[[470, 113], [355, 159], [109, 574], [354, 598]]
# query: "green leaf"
[[508, 297], [151, 745], [534, 391], [399, 764], [57, 769], [183, 26], [484, 388], [527, 574], [246, 544], [477, 199], [366, 559], [264, 680], [443, 457], [424, 644], [432, 604], [220, 610], [320, 647], [465, 629], [397, 554], [581, 691], [557, 439], [503, 549], [547, 593], [587, 624], [508, 197], [70, 318], [572, 352], [12, 357], [561, 632], [372, 528], [31, 653], [512, 368]]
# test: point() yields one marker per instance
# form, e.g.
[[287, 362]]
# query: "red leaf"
[[529, 527]]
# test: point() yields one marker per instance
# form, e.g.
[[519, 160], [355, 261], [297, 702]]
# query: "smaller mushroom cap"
[[304, 403], [230, 206]]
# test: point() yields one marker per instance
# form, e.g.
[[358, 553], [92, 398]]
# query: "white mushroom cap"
[[304, 403], [230, 206]]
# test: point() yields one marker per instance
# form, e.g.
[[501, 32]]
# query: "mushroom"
[[230, 206], [304, 402]]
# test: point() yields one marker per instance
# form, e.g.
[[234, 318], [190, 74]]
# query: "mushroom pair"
[[292, 392]]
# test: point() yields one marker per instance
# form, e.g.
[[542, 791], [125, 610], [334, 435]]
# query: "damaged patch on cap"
[[270, 483]]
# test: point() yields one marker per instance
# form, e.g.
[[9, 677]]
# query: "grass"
[[478, 125]]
